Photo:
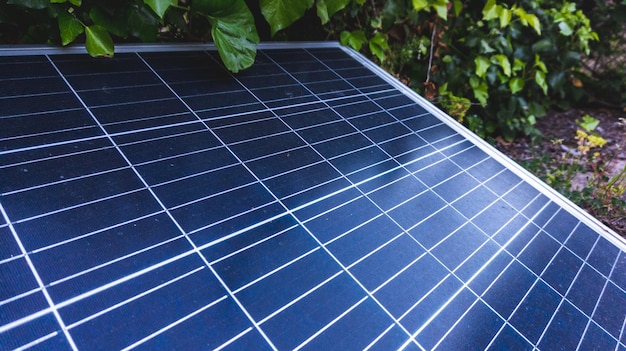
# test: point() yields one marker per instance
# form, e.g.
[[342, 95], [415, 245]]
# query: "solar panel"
[[156, 201]]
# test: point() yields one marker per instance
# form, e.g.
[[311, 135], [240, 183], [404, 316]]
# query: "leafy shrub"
[[507, 62], [230, 23]]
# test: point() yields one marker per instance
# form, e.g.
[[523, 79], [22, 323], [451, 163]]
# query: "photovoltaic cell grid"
[[156, 201]]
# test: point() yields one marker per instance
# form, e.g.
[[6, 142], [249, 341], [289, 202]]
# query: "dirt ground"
[[562, 125]]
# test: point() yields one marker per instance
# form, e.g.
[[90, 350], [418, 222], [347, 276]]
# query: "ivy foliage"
[[495, 65], [99, 23]]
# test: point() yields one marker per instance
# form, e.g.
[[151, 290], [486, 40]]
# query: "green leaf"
[[57, 1], [540, 79], [76, 2], [458, 7], [115, 25], [505, 17], [482, 65], [282, 13], [481, 94], [490, 11], [208, 7], [354, 39], [534, 23], [378, 45], [69, 27], [441, 7], [143, 24], [326, 9], [160, 6], [235, 36], [566, 29], [31, 4], [503, 61], [419, 5], [589, 123], [516, 84], [540, 65], [98, 41]]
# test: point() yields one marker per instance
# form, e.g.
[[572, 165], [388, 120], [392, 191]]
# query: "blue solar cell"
[[562, 270], [30, 303], [95, 250], [293, 325], [474, 201], [618, 275], [611, 309], [565, 329], [363, 240], [464, 336], [416, 209], [509, 289], [17, 278], [396, 193], [60, 168], [603, 256], [534, 313], [459, 246], [203, 185], [411, 285], [37, 201], [245, 267], [383, 264], [597, 339], [71, 223], [494, 218], [45, 328], [447, 316], [586, 289], [221, 206], [8, 245], [509, 340], [341, 220], [539, 252], [136, 320]]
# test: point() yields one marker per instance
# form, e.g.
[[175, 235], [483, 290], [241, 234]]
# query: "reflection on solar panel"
[[156, 201]]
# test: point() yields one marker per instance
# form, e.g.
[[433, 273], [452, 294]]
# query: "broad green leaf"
[[505, 17], [518, 65], [540, 79], [490, 11], [566, 29], [354, 39], [326, 9], [534, 23], [378, 45], [57, 1], [441, 7], [282, 13], [115, 25], [98, 41], [481, 94], [482, 64], [539, 64], [69, 27], [31, 4], [458, 7], [235, 36], [143, 24], [76, 2], [516, 84], [160, 6], [503, 62], [419, 5], [589, 123]]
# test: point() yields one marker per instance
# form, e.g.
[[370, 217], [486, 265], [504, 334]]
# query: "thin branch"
[[430, 59]]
